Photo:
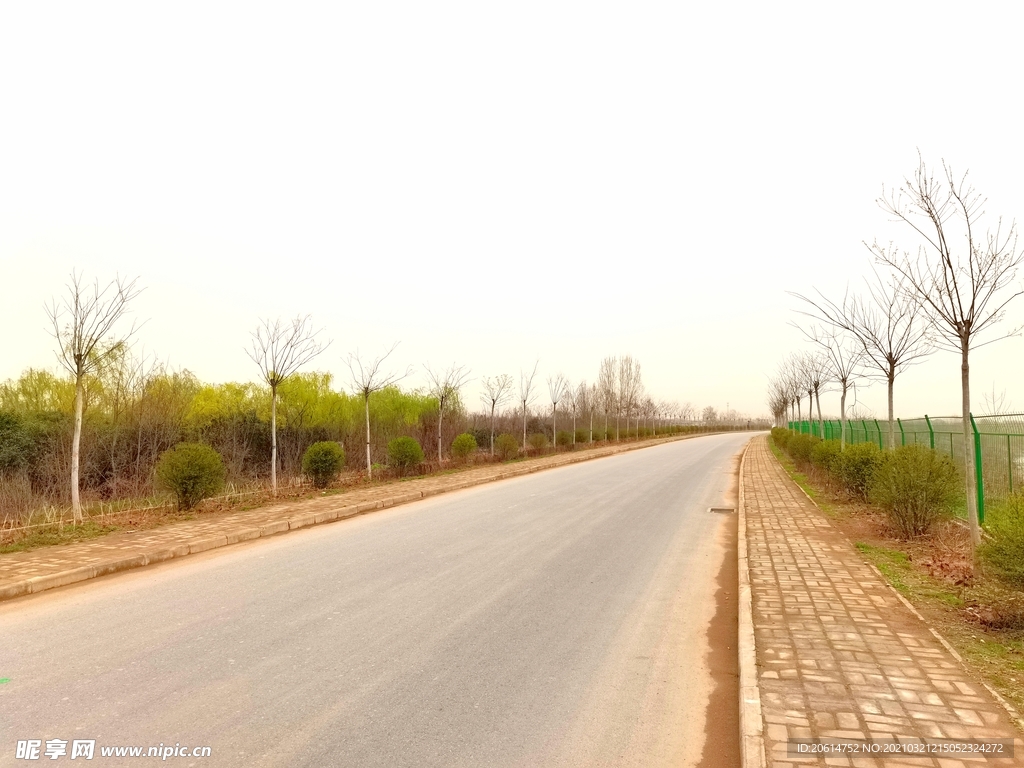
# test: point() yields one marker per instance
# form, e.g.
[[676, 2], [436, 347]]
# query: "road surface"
[[555, 619]]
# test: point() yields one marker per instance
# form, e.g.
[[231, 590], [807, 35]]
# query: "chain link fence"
[[997, 441]]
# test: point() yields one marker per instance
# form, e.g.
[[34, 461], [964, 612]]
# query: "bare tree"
[[886, 324], [279, 349], [557, 386], [83, 324], [963, 290], [630, 387], [497, 390], [816, 375], [445, 386], [608, 383], [368, 378], [844, 356], [593, 399], [526, 393]]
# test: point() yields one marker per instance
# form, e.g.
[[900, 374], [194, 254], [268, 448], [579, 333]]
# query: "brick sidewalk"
[[838, 653], [36, 570]]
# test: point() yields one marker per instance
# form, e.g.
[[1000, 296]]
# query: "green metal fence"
[[998, 444]]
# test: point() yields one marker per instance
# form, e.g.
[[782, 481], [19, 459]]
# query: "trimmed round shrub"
[[563, 437], [506, 446], [825, 455], [855, 467], [191, 471], [538, 440], [916, 486], [1005, 551], [781, 436], [463, 446], [800, 447], [322, 461], [404, 452]]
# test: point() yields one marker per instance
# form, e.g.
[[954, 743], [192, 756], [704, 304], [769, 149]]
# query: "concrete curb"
[[37, 584], [751, 722]]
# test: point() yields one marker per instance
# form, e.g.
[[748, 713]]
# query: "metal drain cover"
[[722, 510]]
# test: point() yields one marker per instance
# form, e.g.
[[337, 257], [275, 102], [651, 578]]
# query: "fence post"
[[931, 432], [903, 435], [1009, 463], [878, 428], [977, 471]]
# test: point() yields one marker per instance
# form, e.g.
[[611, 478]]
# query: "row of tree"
[[104, 425], [948, 293]]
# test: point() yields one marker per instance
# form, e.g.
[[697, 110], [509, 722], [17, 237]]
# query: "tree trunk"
[[892, 434], [969, 468], [821, 422], [524, 425], [273, 439], [440, 417], [591, 426], [492, 429], [76, 443], [842, 419], [554, 430], [369, 465]]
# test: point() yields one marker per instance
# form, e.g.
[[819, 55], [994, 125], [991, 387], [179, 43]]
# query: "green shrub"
[[538, 440], [855, 467], [15, 442], [583, 436], [463, 446], [598, 434], [404, 452], [1005, 552], [563, 437], [781, 436], [506, 446], [191, 471], [800, 447], [825, 456], [916, 486], [322, 461]]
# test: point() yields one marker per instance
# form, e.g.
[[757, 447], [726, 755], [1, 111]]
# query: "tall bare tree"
[[557, 386], [497, 391], [279, 349], [844, 356], [608, 383], [526, 393], [886, 323], [83, 323], [963, 279], [630, 387], [445, 386], [816, 375], [368, 378]]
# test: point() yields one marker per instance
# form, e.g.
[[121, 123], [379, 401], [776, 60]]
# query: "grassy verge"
[[981, 617]]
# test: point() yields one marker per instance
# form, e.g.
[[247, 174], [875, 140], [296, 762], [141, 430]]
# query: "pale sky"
[[491, 184]]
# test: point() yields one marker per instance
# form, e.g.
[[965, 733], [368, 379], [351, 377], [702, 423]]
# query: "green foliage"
[[463, 446], [506, 446], [404, 452], [1005, 552], [322, 461], [800, 447], [582, 436], [563, 437], [825, 456], [15, 442], [916, 486], [538, 440], [781, 436], [855, 467], [191, 471]]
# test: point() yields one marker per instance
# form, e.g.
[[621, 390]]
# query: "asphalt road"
[[554, 619]]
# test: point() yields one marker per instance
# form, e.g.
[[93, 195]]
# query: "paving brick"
[[832, 638]]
